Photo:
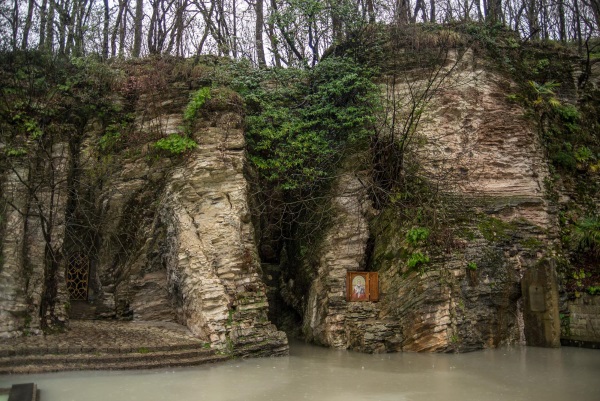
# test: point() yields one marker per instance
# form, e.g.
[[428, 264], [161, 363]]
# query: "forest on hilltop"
[[268, 32]]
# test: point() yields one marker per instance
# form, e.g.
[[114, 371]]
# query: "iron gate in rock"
[[78, 268]]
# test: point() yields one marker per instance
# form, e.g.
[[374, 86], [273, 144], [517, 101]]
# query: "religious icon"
[[358, 288], [362, 286]]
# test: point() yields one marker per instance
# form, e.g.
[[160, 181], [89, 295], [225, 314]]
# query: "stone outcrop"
[[328, 318], [31, 243], [194, 259], [167, 239], [211, 257], [170, 238], [486, 157]]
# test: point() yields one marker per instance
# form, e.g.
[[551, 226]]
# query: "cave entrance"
[[77, 277]]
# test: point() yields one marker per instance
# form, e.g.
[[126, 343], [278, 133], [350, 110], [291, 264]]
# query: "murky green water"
[[314, 373]]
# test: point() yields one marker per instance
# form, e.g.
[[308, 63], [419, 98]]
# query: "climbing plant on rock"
[[301, 122]]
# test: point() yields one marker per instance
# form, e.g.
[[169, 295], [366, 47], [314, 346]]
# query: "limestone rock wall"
[[328, 318], [167, 238], [13, 305], [485, 150], [33, 230], [211, 254], [176, 241], [483, 153]]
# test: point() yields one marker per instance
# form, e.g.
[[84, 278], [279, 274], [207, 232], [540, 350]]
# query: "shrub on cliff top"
[[301, 121]]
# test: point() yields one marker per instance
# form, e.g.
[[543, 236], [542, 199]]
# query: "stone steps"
[[144, 358]]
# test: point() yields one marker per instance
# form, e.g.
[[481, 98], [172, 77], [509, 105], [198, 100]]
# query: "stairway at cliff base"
[[36, 361], [93, 345]]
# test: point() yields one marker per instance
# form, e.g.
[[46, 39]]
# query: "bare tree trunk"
[[152, 29], [449, 14], [62, 26], [544, 14], [258, 33], [49, 41], [137, 28], [223, 29], [82, 26], [14, 21], [43, 22], [467, 9], [235, 38], [70, 17], [105, 29], [203, 40], [402, 12], [494, 11], [479, 10], [115, 31], [209, 26], [272, 37], [179, 28], [432, 11], [578, 35], [28, 23], [532, 20], [562, 26], [371, 11], [123, 29]]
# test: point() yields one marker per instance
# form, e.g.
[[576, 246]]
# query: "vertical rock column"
[[212, 260], [23, 280], [343, 250], [13, 306], [540, 305]]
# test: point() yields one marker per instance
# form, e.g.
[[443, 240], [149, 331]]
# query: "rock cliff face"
[[33, 230], [162, 239], [328, 318], [480, 150], [171, 239], [211, 256], [195, 260]]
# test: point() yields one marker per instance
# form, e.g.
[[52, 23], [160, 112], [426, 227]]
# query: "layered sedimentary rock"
[[211, 256], [162, 238], [170, 238], [487, 158], [194, 260], [328, 318], [31, 241]]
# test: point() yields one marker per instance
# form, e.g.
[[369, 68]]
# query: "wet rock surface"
[[165, 238], [480, 150]]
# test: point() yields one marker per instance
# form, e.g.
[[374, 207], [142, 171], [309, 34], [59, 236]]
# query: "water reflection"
[[314, 373]]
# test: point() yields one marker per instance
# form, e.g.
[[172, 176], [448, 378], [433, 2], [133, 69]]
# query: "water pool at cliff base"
[[315, 373]]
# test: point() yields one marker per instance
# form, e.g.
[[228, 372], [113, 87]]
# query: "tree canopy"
[[268, 32]]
